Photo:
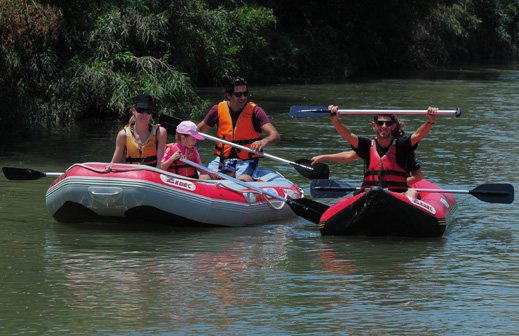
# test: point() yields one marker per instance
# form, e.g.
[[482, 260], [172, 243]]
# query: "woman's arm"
[[162, 136], [120, 145]]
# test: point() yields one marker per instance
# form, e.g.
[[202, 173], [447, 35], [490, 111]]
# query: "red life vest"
[[179, 167], [243, 133], [384, 171]]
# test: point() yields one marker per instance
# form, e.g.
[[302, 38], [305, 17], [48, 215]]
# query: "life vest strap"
[[146, 160], [386, 184], [385, 173]]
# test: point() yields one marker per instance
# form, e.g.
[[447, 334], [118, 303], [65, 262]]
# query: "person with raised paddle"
[[141, 141], [389, 158], [242, 122], [412, 164]]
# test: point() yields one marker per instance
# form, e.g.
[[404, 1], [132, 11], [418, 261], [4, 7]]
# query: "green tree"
[[123, 52], [28, 37], [215, 40], [70, 59]]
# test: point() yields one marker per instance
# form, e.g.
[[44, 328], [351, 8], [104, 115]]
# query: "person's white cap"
[[189, 128]]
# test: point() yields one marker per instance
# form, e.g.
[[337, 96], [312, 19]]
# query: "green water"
[[111, 279]]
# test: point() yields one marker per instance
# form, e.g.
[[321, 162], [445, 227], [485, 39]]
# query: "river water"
[[278, 279]]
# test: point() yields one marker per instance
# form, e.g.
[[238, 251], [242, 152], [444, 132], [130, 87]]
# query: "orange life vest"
[[146, 153], [243, 133], [384, 171], [181, 168]]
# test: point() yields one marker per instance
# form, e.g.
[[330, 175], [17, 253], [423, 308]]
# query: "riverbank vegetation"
[[69, 59]]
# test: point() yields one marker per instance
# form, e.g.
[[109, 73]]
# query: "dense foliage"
[[70, 59]]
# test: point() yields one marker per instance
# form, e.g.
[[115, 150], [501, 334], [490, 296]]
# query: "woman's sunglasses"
[[239, 94], [143, 110], [388, 123]]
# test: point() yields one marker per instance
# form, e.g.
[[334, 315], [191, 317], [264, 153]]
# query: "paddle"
[[12, 173], [303, 207], [302, 166], [297, 111], [330, 188], [491, 192]]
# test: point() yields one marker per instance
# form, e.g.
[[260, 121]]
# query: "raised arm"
[[422, 131], [341, 128]]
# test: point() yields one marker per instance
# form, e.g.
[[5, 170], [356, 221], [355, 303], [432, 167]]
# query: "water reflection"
[[141, 276], [277, 279]]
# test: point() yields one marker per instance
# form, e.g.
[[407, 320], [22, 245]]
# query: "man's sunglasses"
[[143, 110], [388, 123], [239, 94]]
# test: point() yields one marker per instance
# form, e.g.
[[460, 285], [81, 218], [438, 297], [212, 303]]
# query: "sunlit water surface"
[[278, 278]]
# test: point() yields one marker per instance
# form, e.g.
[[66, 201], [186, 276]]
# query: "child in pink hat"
[[184, 147]]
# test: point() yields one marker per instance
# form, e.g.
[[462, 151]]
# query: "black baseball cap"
[[144, 101]]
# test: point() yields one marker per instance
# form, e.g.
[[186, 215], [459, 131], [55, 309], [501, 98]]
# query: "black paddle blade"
[[297, 111], [330, 188], [308, 209], [21, 173], [169, 123], [317, 171], [494, 193]]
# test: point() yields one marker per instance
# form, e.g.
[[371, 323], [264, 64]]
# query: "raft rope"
[[282, 204], [252, 191]]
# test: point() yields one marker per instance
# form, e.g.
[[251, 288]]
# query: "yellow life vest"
[[146, 153], [243, 133]]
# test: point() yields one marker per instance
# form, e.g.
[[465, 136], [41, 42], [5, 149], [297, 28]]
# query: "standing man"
[[241, 122]]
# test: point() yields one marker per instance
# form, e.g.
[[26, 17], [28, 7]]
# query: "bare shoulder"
[[121, 133], [162, 130]]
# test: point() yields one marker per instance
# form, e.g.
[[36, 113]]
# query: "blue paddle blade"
[[330, 188], [298, 111]]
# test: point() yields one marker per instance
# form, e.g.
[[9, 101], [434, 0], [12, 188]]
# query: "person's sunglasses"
[[143, 110], [388, 123], [239, 94]]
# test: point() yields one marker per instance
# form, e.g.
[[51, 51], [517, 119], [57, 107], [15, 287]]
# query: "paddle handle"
[[210, 137], [53, 174], [320, 111], [456, 112], [451, 191], [230, 178]]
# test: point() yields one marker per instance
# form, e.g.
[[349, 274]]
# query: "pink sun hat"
[[189, 128]]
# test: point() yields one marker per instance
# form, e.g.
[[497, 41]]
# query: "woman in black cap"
[[141, 141]]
